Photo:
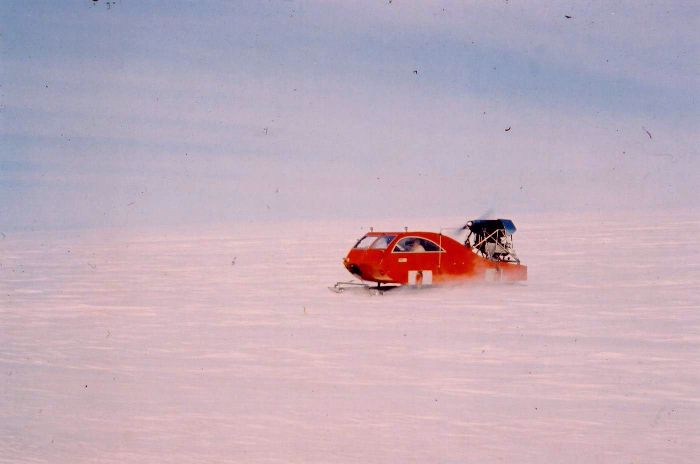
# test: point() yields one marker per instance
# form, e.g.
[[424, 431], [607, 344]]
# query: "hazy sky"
[[132, 113]]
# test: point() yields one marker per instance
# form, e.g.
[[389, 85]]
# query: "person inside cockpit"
[[416, 247]]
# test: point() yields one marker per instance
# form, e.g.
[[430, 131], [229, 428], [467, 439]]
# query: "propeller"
[[457, 232], [486, 214]]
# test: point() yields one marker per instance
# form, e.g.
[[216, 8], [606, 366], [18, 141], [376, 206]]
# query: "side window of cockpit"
[[382, 242], [430, 246], [415, 245], [365, 242]]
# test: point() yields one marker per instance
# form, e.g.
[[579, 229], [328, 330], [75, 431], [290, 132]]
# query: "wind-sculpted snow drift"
[[222, 344]]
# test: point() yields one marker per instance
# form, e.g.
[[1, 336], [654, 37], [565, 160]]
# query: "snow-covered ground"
[[223, 344]]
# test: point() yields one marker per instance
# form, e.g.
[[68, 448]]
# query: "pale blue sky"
[[138, 113]]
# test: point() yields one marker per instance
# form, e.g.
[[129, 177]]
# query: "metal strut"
[[340, 287]]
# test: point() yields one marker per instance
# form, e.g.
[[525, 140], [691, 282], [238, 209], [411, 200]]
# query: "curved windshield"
[[365, 242], [383, 242]]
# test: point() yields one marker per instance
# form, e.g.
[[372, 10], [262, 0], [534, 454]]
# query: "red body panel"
[[455, 262]]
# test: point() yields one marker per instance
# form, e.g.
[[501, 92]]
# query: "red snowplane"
[[426, 258]]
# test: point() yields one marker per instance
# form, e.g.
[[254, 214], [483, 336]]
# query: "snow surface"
[[223, 344]]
